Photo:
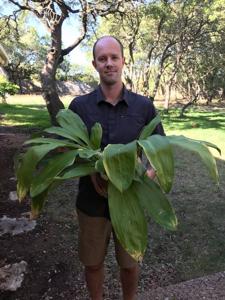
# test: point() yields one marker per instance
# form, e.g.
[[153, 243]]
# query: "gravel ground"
[[207, 288]]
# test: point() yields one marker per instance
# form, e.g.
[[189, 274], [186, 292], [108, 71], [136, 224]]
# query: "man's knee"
[[92, 269], [131, 270]]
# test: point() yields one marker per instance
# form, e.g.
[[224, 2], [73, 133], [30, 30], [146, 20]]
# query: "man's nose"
[[109, 62]]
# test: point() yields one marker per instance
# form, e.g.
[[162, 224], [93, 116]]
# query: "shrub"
[[7, 87]]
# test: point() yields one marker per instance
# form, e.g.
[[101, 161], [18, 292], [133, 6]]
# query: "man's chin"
[[109, 81]]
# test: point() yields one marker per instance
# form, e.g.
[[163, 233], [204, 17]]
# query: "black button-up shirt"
[[121, 124]]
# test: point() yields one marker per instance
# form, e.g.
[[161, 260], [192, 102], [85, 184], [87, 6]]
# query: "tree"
[[201, 75], [53, 13], [27, 50]]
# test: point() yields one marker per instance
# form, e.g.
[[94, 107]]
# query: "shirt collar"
[[124, 98]]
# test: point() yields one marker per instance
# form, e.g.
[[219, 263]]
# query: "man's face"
[[108, 61]]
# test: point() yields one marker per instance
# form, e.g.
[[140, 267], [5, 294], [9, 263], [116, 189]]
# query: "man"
[[122, 115]]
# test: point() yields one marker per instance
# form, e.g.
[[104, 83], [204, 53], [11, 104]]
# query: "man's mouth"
[[110, 72]]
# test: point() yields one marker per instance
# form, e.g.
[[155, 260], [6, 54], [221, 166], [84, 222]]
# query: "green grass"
[[24, 116], [198, 124], [25, 111]]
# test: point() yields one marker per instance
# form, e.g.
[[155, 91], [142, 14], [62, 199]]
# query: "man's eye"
[[101, 59], [115, 57]]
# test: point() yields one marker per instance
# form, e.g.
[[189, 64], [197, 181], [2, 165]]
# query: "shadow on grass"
[[23, 116], [195, 119]]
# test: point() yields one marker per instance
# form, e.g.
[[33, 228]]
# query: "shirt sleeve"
[[73, 105]]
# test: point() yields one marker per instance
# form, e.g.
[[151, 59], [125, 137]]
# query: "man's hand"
[[62, 149], [101, 185], [151, 173]]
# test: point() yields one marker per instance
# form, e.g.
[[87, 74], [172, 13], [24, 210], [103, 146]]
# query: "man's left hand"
[[151, 173]]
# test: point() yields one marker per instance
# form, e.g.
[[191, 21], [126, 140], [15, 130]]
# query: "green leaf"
[[199, 148], [54, 167], [60, 143], [37, 203], [78, 171], [208, 144], [119, 163], [156, 203], [96, 136], [73, 125], [26, 167], [148, 129], [99, 166], [159, 153], [64, 133], [128, 220], [140, 170], [87, 153]]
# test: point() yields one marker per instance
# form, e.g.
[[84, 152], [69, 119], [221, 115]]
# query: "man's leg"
[[129, 281], [94, 235], [129, 271], [94, 278]]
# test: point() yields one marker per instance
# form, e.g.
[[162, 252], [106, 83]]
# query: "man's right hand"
[[100, 185]]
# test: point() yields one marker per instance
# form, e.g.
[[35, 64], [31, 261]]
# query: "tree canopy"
[[170, 45]]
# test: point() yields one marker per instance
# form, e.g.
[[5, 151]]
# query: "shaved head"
[[108, 37]]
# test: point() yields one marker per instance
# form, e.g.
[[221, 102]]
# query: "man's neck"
[[112, 93]]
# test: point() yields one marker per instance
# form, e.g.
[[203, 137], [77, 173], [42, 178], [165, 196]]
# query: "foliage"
[[172, 45], [75, 72], [131, 193], [26, 49], [7, 87]]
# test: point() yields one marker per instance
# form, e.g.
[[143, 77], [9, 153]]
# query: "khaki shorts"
[[94, 237]]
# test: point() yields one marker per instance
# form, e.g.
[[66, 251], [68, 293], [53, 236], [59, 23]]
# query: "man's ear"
[[94, 64]]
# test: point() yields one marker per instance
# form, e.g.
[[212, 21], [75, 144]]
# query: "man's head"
[[108, 59], [105, 37]]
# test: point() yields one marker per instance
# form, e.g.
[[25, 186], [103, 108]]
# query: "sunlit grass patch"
[[26, 111], [198, 124]]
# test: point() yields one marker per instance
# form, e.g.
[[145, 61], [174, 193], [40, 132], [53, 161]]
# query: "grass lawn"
[[197, 248], [198, 124], [26, 111]]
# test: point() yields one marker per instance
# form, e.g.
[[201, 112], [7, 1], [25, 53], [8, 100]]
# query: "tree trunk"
[[49, 91], [191, 102], [167, 97]]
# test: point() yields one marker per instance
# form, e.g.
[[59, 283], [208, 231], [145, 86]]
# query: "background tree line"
[[171, 46]]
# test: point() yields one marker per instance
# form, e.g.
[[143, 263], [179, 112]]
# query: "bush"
[[7, 87]]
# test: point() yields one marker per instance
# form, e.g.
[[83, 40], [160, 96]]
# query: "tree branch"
[[26, 7], [83, 32]]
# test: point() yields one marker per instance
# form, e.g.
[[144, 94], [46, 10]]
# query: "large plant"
[[131, 194]]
